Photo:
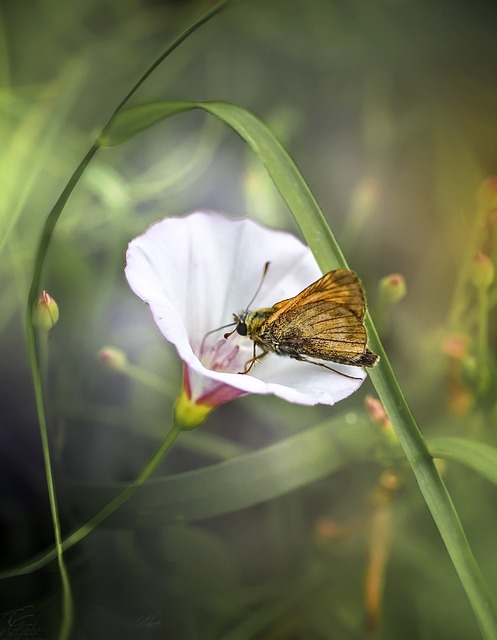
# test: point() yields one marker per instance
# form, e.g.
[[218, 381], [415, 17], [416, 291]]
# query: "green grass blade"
[[54, 215], [304, 207], [478, 456], [208, 15], [280, 166], [252, 478]]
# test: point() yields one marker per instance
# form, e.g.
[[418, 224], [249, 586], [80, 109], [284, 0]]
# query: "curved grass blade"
[[241, 482], [478, 456], [282, 169], [247, 480], [308, 215]]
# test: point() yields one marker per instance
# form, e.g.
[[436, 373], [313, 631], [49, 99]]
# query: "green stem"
[[459, 300], [150, 380], [482, 324], [106, 511], [483, 310], [67, 599], [126, 493]]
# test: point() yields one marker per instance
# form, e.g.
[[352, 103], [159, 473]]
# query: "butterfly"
[[325, 321]]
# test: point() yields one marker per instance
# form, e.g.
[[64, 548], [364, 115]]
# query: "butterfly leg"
[[325, 366], [255, 358]]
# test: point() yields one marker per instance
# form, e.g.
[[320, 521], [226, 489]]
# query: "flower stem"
[[40, 373], [483, 310], [459, 301], [151, 380], [126, 493], [106, 511]]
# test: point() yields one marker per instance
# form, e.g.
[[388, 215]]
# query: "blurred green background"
[[388, 108]]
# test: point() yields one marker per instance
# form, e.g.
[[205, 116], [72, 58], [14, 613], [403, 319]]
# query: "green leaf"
[[238, 483], [476, 455]]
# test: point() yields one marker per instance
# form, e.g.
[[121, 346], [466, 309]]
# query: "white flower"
[[195, 272]]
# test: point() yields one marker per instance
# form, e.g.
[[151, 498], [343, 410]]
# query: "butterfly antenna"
[[202, 344], [259, 287], [225, 326], [263, 277]]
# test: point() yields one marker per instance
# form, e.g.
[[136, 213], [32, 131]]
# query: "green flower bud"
[[113, 358], [392, 288], [483, 270], [45, 312]]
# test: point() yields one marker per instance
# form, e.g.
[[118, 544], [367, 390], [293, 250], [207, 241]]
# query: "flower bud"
[[376, 411], [390, 480], [365, 197], [456, 346], [486, 196], [392, 288], [113, 358], [327, 530], [45, 312], [483, 270]]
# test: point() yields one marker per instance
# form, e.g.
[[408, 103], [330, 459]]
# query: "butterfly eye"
[[241, 328]]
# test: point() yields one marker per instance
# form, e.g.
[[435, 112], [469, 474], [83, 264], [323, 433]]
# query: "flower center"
[[227, 356]]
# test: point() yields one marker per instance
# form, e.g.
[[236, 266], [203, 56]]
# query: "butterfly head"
[[241, 324]]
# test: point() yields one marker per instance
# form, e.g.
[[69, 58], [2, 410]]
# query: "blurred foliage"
[[389, 110]]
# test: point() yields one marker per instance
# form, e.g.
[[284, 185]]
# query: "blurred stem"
[[211, 445], [379, 547], [43, 129], [106, 511], [483, 311], [275, 616], [492, 299], [150, 380], [483, 324], [67, 600], [124, 495], [458, 303]]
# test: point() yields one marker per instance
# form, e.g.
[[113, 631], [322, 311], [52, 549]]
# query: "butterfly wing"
[[342, 287], [324, 321]]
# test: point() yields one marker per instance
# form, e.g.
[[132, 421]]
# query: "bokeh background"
[[388, 108]]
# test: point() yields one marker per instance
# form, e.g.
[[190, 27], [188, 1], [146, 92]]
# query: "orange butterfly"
[[324, 321]]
